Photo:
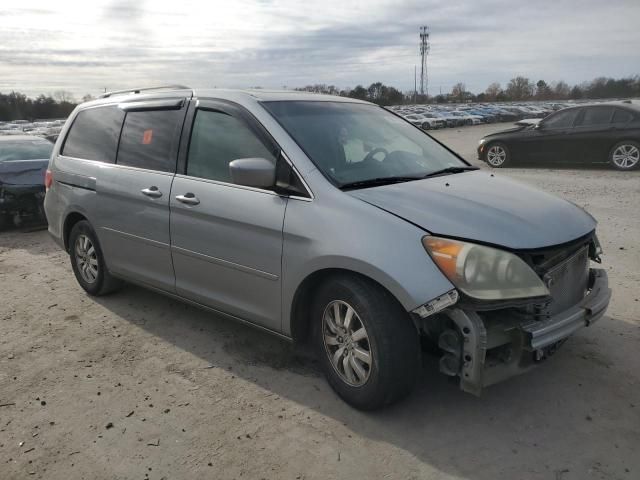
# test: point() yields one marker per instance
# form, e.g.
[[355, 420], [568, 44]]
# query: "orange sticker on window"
[[146, 138]]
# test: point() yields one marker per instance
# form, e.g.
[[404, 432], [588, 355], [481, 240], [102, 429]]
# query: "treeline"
[[376, 93], [517, 89], [17, 106]]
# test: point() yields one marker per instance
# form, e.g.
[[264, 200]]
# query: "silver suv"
[[323, 220]]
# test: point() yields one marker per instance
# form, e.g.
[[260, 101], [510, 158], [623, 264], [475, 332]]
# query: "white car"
[[424, 121]]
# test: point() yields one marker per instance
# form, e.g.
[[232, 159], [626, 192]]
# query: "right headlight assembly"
[[484, 273]]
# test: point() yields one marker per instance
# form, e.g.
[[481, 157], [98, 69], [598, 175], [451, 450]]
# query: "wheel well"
[[69, 222], [302, 299]]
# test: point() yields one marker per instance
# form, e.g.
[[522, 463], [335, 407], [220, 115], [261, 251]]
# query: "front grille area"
[[567, 282]]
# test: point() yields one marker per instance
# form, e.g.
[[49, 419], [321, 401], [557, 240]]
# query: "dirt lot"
[[136, 385]]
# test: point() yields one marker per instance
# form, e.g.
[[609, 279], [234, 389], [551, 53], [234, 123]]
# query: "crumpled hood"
[[480, 206], [23, 172]]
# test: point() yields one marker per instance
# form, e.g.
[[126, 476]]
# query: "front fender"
[[343, 232]]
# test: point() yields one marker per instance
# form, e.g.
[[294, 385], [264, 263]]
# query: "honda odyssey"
[[323, 220]]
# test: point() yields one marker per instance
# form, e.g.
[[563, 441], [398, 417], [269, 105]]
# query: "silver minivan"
[[327, 221]]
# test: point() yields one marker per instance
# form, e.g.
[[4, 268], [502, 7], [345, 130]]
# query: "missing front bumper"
[[494, 348]]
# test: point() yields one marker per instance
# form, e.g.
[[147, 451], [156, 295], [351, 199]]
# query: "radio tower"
[[424, 51]]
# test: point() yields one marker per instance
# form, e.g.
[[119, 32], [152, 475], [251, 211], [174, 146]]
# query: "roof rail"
[[138, 90]]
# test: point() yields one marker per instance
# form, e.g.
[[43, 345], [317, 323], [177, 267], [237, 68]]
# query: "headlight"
[[484, 273]]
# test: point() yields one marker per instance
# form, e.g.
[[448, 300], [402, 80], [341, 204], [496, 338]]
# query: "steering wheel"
[[374, 152]]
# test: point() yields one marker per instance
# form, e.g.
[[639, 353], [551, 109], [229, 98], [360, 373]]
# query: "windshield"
[[25, 150], [352, 142]]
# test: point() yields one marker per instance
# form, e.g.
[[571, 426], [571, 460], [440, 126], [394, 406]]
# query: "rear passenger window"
[[596, 116], [150, 139], [621, 116], [94, 134], [216, 140]]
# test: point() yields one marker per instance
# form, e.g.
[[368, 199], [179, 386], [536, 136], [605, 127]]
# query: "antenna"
[[425, 46]]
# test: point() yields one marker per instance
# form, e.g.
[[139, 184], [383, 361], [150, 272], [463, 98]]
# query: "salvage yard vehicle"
[[248, 203], [23, 163], [601, 133]]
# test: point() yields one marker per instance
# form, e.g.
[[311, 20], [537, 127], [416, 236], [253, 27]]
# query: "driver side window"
[[217, 139], [561, 119]]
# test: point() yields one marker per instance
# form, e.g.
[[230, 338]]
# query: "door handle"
[[152, 192], [188, 198]]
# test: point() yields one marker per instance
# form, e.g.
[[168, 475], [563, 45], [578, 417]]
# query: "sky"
[[85, 46]]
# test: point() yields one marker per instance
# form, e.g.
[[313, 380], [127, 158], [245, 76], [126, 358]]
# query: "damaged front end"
[[21, 191], [486, 341]]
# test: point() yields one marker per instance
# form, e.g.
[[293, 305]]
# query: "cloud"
[[286, 42]]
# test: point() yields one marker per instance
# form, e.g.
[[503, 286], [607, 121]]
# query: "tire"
[[87, 261], [390, 342], [625, 155], [497, 155], [426, 126]]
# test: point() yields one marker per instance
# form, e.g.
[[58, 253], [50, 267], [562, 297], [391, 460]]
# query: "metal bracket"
[[474, 349]]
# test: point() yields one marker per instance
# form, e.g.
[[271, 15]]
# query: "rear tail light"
[[48, 179]]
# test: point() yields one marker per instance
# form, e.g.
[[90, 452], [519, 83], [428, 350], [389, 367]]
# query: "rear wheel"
[[625, 155], [87, 261], [368, 347], [426, 126], [497, 155]]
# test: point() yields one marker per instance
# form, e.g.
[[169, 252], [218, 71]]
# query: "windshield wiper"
[[375, 182], [450, 170]]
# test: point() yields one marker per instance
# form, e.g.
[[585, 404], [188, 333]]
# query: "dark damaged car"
[[23, 164]]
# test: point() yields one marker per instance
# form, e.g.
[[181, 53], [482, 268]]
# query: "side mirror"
[[253, 172]]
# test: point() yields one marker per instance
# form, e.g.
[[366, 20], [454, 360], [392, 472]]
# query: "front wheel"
[[625, 155], [497, 155], [368, 347]]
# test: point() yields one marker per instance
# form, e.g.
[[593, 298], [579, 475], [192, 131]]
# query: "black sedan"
[[604, 133]]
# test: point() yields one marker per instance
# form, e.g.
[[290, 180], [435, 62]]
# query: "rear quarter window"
[[94, 134]]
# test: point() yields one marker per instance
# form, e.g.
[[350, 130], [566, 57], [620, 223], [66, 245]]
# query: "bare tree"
[[519, 88], [561, 90], [63, 96], [458, 91], [493, 91]]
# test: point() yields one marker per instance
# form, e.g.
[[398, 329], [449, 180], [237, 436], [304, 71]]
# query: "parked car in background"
[[327, 221], [425, 121], [600, 133], [23, 163]]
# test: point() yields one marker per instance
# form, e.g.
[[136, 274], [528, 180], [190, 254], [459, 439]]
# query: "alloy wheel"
[[86, 258], [496, 155], [626, 156], [347, 343]]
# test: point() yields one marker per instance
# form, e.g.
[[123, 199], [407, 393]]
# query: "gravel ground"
[[136, 385]]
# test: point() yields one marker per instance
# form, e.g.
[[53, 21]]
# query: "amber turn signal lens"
[[444, 253]]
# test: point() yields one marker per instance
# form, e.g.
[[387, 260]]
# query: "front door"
[[226, 239], [550, 141]]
